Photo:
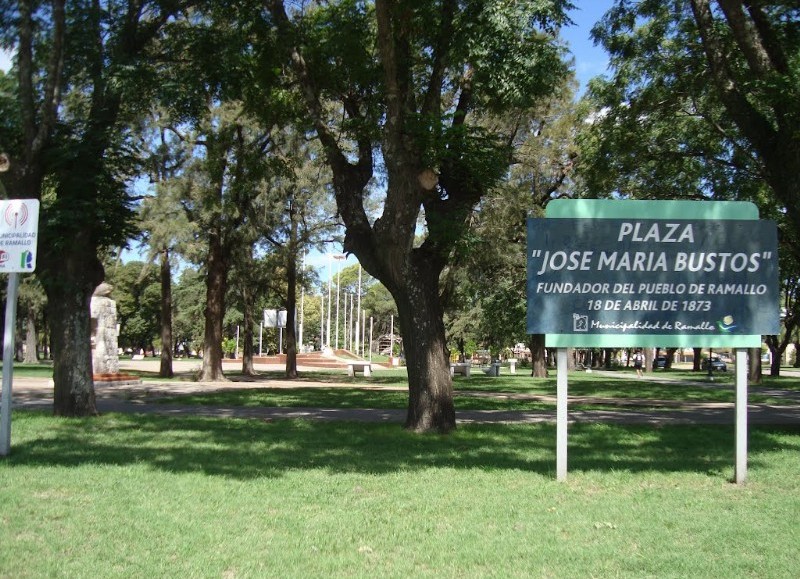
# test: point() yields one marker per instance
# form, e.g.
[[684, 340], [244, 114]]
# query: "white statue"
[[105, 356]]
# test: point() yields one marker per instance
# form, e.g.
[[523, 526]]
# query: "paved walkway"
[[139, 398]]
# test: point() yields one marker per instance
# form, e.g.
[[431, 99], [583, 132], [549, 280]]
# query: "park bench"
[[460, 368], [359, 366]]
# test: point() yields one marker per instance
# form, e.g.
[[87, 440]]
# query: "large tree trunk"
[[69, 279], [538, 358], [698, 354], [754, 365], [216, 282], [31, 354], [648, 359], [430, 387], [165, 371]]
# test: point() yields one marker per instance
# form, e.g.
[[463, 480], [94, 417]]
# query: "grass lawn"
[[146, 496], [506, 392]]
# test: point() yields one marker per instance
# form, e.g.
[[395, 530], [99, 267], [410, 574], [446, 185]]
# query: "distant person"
[[638, 360]]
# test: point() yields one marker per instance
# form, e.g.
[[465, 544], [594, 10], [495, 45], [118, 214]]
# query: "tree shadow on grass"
[[248, 449]]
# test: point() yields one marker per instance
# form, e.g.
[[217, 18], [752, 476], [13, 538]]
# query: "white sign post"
[[19, 225]]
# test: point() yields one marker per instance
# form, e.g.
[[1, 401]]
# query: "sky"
[[590, 61]]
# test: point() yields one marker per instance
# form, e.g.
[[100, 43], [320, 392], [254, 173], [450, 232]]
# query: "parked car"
[[717, 364], [660, 362]]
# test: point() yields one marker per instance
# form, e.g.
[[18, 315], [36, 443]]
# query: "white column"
[[330, 284], [363, 331], [321, 321], [741, 415], [338, 280], [350, 326], [359, 316], [370, 338], [561, 414], [302, 301]]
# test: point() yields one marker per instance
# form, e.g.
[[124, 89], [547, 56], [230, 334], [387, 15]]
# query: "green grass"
[[341, 397], [145, 496], [506, 392]]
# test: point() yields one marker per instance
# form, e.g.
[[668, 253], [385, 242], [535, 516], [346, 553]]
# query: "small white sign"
[[19, 230], [274, 318]]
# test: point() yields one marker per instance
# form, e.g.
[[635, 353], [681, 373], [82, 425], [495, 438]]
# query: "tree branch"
[[751, 121]]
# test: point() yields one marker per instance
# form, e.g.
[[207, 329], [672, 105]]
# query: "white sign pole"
[[561, 414], [8, 363], [741, 415]]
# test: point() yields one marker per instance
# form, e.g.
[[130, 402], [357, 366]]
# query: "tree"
[[710, 89], [81, 78], [301, 219], [495, 249], [137, 294], [32, 303], [790, 292], [411, 80], [189, 300], [165, 227], [221, 187]]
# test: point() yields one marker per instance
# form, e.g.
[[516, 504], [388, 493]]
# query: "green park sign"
[[610, 273]]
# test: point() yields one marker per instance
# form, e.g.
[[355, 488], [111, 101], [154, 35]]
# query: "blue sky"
[[590, 60]]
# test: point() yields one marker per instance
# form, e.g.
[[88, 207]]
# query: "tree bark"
[[648, 360], [216, 285], [31, 353], [74, 276], [698, 353], [538, 358], [165, 371], [430, 387], [754, 365], [248, 369]]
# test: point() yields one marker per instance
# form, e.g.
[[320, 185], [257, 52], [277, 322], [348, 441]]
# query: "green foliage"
[[508, 45], [189, 298], [137, 292], [660, 127], [485, 290]]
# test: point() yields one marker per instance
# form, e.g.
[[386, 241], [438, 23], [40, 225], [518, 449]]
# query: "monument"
[[105, 356], [105, 352]]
